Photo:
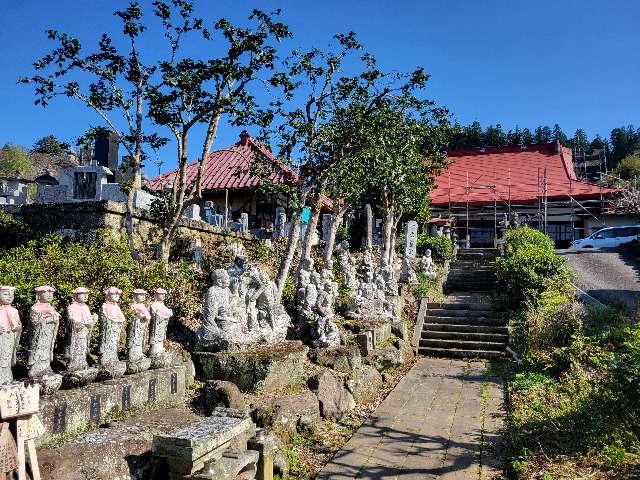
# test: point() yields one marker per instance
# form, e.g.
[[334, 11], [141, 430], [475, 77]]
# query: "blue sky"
[[528, 63]]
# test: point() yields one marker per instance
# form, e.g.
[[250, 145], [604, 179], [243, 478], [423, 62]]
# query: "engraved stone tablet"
[[174, 382], [60, 418], [94, 408], [152, 390], [126, 397]]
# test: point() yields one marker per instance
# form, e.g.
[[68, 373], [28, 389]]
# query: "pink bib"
[[43, 308], [161, 309], [9, 317], [80, 311], [112, 310], [141, 310]]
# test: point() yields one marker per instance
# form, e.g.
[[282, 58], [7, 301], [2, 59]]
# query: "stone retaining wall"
[[80, 219]]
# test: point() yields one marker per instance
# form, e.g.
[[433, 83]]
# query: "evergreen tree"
[[542, 134], [514, 137], [527, 137], [559, 136], [580, 142], [495, 136], [50, 145], [474, 135]]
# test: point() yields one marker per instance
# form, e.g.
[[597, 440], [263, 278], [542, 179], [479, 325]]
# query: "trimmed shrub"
[[524, 237], [13, 231], [530, 266], [441, 247]]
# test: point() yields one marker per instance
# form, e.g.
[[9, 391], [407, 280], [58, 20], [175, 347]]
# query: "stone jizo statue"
[[427, 266], [44, 321], [10, 330], [160, 316], [137, 361], [79, 323], [112, 322]]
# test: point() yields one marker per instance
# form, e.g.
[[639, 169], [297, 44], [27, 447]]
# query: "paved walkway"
[[441, 421]]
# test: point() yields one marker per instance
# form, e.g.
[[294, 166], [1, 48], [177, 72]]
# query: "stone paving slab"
[[442, 420]]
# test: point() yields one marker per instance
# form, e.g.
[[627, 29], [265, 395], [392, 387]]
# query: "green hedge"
[[441, 247], [530, 265]]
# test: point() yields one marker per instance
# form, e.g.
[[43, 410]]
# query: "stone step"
[[464, 312], [458, 320], [462, 306], [428, 334], [454, 353], [453, 327], [465, 287], [463, 344]]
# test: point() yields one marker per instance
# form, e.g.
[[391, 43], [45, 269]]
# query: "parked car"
[[608, 238]]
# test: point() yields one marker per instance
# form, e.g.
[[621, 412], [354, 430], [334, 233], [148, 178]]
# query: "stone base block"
[[380, 329], [49, 383], [70, 412], [263, 368], [79, 378], [139, 365], [111, 370]]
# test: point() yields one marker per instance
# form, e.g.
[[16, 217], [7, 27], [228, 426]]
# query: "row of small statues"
[[147, 322]]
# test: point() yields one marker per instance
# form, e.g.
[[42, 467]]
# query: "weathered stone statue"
[[10, 330], [44, 321], [427, 266], [408, 271], [137, 361], [370, 300], [79, 323], [112, 322], [347, 266], [307, 293], [326, 333], [388, 276], [160, 315], [241, 308]]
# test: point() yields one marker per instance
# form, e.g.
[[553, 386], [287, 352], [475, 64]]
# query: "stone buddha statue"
[[137, 361], [79, 323], [44, 321], [10, 330], [160, 316], [112, 322]]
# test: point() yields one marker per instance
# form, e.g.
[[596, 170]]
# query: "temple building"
[[483, 189]]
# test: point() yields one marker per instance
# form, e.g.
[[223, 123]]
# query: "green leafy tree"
[[475, 135], [624, 141], [580, 142], [50, 145], [14, 160], [193, 92], [628, 168], [514, 137], [114, 86]]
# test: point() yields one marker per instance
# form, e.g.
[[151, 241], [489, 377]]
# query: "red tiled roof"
[[230, 168], [516, 172]]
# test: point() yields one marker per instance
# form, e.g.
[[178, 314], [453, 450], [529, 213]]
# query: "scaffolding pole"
[[467, 236], [545, 192]]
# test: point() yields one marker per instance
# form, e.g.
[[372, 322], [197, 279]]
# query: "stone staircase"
[[473, 270], [465, 325]]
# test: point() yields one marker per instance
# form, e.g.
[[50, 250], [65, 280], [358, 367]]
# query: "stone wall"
[[80, 219]]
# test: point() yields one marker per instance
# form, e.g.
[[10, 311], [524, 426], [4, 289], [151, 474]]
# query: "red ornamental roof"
[[230, 168], [516, 171]]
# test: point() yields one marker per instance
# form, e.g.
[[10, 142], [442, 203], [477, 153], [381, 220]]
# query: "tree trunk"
[[307, 243], [331, 241], [290, 251], [387, 226]]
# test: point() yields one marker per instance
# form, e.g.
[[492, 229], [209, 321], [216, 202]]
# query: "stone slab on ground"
[[121, 452], [432, 425], [70, 412], [260, 369]]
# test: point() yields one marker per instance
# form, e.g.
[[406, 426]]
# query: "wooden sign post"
[[18, 408]]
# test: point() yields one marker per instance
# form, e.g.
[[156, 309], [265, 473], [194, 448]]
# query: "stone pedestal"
[[70, 412], [79, 378], [262, 368]]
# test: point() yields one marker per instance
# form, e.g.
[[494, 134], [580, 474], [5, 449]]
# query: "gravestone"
[[411, 239], [327, 221], [244, 222], [368, 239]]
